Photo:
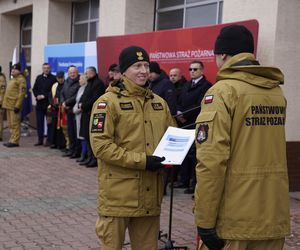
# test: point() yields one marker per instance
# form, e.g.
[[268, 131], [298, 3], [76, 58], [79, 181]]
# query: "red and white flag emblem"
[[208, 99], [101, 105]]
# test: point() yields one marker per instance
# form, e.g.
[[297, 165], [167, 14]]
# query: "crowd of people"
[[236, 169]]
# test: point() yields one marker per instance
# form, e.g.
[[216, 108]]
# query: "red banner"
[[170, 48]]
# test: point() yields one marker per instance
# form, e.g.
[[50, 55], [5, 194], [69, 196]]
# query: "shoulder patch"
[[101, 105], [98, 123], [126, 105], [202, 133], [208, 99], [157, 106]]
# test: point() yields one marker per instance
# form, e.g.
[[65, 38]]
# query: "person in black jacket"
[[94, 89], [41, 90], [162, 86], [57, 138], [189, 106], [68, 100]]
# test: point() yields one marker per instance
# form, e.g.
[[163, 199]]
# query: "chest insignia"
[[126, 105], [157, 106]]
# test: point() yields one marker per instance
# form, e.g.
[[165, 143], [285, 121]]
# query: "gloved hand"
[[210, 238], [16, 110], [153, 162]]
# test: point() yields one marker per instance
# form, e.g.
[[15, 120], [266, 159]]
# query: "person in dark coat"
[[57, 138], [189, 106], [68, 100], [94, 89], [41, 90], [162, 86], [178, 80]]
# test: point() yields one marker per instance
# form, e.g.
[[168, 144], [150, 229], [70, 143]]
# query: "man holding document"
[[126, 125]]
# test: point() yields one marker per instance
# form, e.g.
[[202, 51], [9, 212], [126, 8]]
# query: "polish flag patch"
[[208, 99], [101, 105]]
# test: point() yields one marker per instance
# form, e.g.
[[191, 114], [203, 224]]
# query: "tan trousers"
[[251, 245], [143, 232], [14, 125], [1, 123], [66, 135]]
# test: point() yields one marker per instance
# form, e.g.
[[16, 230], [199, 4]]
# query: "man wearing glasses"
[[189, 107]]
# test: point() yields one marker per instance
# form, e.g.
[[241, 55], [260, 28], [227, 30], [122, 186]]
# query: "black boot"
[[82, 158], [92, 163]]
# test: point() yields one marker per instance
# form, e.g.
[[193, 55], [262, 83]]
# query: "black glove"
[[210, 238], [16, 110], [153, 163]]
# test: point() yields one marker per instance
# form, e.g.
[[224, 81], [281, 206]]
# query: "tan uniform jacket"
[[15, 93], [126, 125], [242, 181], [2, 87]]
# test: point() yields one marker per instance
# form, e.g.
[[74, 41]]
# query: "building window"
[[26, 31], [171, 14], [85, 21]]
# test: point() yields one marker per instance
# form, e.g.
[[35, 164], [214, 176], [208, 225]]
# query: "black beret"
[[131, 55], [154, 67], [234, 39]]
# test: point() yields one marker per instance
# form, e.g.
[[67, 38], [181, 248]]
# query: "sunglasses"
[[193, 69]]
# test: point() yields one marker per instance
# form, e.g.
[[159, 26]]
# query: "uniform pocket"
[[104, 229], [123, 189]]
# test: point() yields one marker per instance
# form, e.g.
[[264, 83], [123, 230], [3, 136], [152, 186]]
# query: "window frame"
[[184, 6], [24, 28], [87, 21]]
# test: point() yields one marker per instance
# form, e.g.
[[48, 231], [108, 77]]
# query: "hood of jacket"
[[125, 87], [244, 67]]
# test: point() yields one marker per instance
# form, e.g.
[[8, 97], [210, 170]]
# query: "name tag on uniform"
[[98, 123], [126, 105], [157, 106]]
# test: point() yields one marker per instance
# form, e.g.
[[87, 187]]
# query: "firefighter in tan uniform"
[[126, 125], [12, 102], [242, 183], [2, 91]]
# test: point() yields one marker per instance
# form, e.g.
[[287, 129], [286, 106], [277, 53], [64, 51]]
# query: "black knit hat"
[[131, 55], [154, 67], [234, 39], [60, 74], [112, 66], [17, 66]]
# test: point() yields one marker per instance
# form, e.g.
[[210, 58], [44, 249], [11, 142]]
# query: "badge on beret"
[[140, 56], [202, 133], [98, 123]]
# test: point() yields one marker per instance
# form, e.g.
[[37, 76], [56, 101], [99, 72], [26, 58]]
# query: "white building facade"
[[33, 24]]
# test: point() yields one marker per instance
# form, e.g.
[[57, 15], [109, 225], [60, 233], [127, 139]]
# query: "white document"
[[175, 145]]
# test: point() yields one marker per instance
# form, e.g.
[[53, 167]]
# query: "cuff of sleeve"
[[140, 160]]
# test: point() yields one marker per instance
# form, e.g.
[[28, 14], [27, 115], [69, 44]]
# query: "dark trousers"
[[40, 123], [56, 136], [188, 168], [75, 146]]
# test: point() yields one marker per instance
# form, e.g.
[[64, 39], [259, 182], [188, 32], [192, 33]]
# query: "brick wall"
[[293, 160]]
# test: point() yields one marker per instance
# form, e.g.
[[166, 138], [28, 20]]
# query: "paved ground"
[[49, 202]]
